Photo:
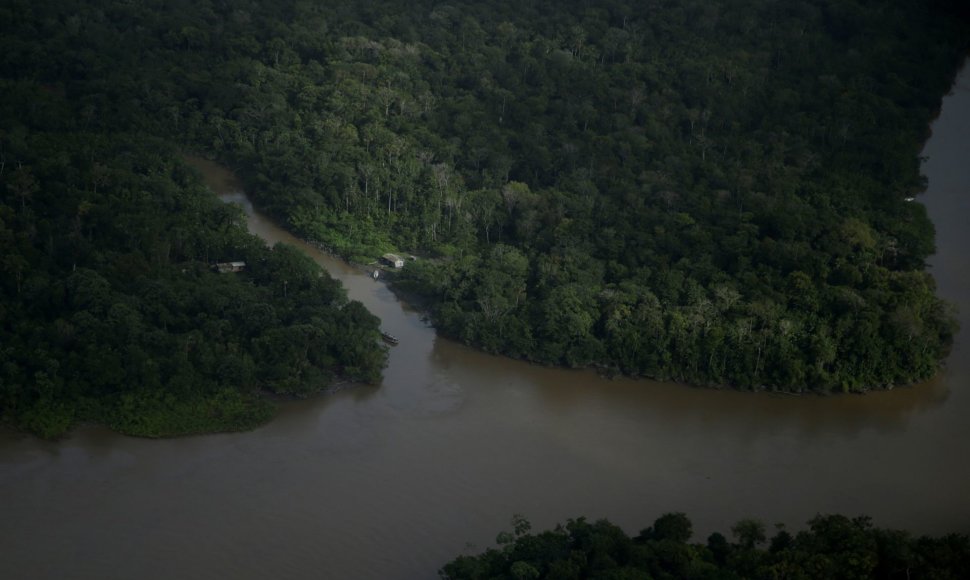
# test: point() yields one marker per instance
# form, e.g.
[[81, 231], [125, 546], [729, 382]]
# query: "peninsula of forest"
[[719, 192]]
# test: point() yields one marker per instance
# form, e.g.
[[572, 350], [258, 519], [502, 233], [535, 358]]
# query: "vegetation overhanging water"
[[714, 196]]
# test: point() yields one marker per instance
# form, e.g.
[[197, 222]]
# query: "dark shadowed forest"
[[832, 547], [711, 192]]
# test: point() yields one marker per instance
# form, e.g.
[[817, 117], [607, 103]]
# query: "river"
[[391, 481]]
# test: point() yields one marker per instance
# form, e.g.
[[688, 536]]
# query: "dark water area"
[[391, 481]]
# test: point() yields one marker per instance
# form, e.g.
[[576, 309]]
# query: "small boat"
[[389, 339], [377, 274]]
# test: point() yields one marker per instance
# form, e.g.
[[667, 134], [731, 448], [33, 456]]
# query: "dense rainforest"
[[833, 547], [708, 191], [110, 309]]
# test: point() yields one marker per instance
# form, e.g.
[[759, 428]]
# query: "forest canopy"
[[708, 191], [110, 308], [832, 547]]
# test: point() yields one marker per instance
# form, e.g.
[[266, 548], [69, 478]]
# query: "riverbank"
[[426, 304]]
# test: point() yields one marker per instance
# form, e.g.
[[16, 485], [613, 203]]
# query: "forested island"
[[833, 547], [707, 191]]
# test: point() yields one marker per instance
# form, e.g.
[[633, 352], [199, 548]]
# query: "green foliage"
[[110, 310], [834, 547], [711, 192], [674, 526], [153, 414]]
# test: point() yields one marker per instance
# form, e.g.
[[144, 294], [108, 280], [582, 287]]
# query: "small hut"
[[229, 267], [393, 260]]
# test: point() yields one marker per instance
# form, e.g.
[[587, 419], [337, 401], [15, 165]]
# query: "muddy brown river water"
[[391, 481]]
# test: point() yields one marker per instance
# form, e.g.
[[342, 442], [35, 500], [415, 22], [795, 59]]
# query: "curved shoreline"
[[423, 304]]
